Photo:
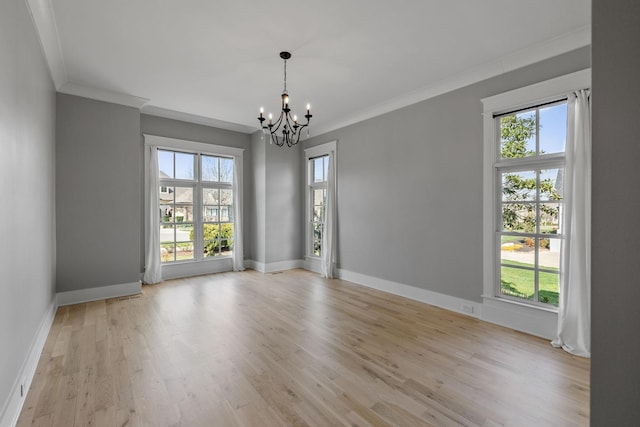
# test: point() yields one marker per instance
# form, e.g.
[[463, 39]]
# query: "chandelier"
[[291, 129]]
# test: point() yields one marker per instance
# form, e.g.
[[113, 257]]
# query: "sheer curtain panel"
[[238, 251], [153, 272], [574, 311], [328, 253]]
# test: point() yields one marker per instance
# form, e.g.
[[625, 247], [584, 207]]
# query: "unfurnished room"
[[361, 213]]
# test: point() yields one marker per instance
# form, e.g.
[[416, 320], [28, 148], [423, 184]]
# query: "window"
[[529, 170], [317, 188], [316, 182], [196, 206], [524, 157]]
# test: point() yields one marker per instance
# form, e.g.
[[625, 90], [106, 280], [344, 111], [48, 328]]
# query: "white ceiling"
[[217, 62]]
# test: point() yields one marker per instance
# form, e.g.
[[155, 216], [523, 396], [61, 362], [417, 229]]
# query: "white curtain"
[[153, 272], [238, 251], [328, 248], [574, 311]]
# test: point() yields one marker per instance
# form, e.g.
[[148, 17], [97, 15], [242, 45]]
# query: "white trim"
[[536, 93], [102, 95], [95, 294], [321, 150], [166, 113], [44, 20], [196, 268], [536, 53], [274, 266], [459, 305], [195, 146], [521, 317], [13, 405]]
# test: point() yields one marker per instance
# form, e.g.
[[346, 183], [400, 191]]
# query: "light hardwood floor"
[[292, 349]]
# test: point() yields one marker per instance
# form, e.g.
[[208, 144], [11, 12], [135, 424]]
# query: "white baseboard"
[[459, 305], [13, 405], [95, 294], [274, 266], [313, 264]]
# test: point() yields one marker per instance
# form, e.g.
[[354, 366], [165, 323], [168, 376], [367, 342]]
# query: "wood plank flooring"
[[293, 349]]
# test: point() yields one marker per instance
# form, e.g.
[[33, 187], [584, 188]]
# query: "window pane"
[[517, 282], [209, 168], [226, 197], [166, 196], [549, 288], [518, 135], [517, 186], [549, 218], [519, 217], [325, 167], [317, 238], [211, 238], [210, 196], [318, 197], [318, 169], [518, 251], [165, 163], [318, 213], [553, 129], [183, 204], [184, 233], [167, 252], [184, 165], [184, 242], [226, 170], [549, 255], [167, 233], [551, 181]]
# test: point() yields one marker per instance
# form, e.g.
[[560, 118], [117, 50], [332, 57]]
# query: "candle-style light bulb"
[[270, 118], [308, 108], [295, 118], [286, 100], [261, 111]]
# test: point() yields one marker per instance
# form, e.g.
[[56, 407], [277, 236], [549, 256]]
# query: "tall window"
[[196, 206], [529, 168], [317, 168]]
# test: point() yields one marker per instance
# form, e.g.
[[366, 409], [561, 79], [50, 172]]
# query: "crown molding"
[[44, 20], [200, 120], [536, 53], [103, 95]]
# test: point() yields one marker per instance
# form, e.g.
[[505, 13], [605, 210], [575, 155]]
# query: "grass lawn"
[[520, 283]]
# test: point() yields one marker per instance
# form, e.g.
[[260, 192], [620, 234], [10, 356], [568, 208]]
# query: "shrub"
[[215, 236]]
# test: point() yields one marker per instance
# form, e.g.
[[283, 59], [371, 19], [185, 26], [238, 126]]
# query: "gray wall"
[[282, 222], [27, 217], [615, 364], [169, 128], [98, 162], [277, 205], [410, 186], [258, 216]]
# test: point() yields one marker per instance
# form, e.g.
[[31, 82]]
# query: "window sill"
[[521, 304]]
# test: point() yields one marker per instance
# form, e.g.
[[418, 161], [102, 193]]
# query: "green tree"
[[515, 131]]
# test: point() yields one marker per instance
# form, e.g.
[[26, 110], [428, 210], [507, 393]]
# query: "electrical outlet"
[[21, 390], [466, 308]]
